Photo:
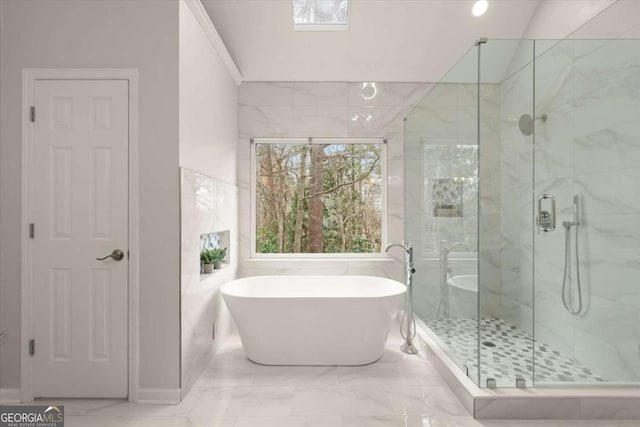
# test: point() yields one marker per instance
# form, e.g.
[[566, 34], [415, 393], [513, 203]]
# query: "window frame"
[[319, 141]]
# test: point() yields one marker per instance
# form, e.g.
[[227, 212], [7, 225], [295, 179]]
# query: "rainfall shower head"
[[526, 123]]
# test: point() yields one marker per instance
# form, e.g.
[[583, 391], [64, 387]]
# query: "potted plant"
[[218, 255], [206, 259]]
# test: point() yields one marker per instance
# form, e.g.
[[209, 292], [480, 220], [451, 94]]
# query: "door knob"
[[116, 255]]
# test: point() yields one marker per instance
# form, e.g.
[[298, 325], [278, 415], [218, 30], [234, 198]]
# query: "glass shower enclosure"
[[521, 197]]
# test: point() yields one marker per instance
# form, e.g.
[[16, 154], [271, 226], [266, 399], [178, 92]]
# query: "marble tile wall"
[[589, 145], [490, 201], [326, 110], [207, 205], [516, 210], [442, 143]]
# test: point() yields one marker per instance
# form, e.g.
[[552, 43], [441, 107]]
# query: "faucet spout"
[[403, 245], [445, 249], [408, 254]]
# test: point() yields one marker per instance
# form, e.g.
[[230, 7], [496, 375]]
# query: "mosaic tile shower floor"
[[510, 357]]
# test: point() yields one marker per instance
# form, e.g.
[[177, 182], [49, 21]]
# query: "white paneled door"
[[79, 190]]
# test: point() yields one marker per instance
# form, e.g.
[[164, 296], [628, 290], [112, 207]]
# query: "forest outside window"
[[318, 196]]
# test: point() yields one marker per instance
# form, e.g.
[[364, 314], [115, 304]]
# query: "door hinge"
[[32, 347], [32, 230], [32, 114]]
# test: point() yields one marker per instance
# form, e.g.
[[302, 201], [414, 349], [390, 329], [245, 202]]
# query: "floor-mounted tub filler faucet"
[[407, 324], [445, 250], [445, 271]]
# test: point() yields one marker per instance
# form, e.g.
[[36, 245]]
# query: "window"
[[320, 15], [318, 196]]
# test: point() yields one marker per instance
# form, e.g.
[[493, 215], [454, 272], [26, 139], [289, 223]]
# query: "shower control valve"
[[546, 220]]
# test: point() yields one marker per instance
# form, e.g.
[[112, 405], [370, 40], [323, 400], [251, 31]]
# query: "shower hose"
[[568, 302]]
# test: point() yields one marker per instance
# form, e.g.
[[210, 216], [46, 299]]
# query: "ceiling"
[[621, 20], [387, 40]]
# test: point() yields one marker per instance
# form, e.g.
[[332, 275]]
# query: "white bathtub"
[[463, 298], [313, 320]]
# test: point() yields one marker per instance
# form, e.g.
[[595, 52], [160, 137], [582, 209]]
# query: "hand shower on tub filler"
[[407, 323]]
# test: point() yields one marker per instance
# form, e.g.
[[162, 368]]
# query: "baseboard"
[[9, 395], [165, 396]]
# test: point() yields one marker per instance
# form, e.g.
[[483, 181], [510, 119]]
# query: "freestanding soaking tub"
[[313, 320]]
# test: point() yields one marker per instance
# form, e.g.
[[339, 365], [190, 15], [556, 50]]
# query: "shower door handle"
[[546, 219]]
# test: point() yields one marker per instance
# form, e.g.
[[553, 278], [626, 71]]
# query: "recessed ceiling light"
[[480, 7], [320, 15]]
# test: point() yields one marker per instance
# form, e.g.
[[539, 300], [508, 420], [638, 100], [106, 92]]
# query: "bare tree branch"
[[345, 184]]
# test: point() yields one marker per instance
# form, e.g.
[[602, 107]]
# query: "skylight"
[[320, 15]]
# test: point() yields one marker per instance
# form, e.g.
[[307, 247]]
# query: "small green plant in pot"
[[206, 258], [218, 255]]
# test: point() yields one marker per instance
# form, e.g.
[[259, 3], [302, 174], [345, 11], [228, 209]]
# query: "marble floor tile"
[[227, 375], [86, 421], [424, 400], [289, 422], [392, 354], [82, 406], [342, 400], [231, 357], [409, 421], [231, 353], [377, 421], [373, 374], [264, 401], [124, 408], [214, 402], [296, 375], [245, 401], [211, 422], [418, 371], [398, 390]]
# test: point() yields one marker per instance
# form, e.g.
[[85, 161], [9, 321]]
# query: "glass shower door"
[[587, 210], [505, 247], [441, 211]]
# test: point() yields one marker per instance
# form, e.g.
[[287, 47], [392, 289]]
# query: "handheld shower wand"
[[407, 332], [567, 301]]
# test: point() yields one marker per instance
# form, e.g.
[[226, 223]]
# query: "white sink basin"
[[465, 282]]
